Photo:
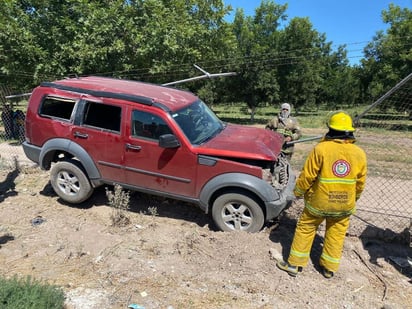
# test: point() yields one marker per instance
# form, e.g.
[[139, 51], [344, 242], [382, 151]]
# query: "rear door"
[[97, 128], [154, 168]]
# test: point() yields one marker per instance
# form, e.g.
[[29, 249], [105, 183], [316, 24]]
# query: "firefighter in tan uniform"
[[331, 181], [287, 125]]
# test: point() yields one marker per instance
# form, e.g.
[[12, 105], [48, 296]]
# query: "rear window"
[[57, 108], [103, 116]]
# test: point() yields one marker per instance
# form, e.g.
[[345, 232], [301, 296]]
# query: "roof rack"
[[104, 94]]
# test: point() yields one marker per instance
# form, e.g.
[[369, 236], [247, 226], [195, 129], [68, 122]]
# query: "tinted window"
[[57, 107], [103, 116], [148, 125]]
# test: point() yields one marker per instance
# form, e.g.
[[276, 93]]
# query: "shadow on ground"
[[386, 244], [8, 186], [145, 204], [283, 234]]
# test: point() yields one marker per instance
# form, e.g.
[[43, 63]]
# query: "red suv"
[[92, 131]]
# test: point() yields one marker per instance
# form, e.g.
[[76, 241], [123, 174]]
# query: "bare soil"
[[171, 256]]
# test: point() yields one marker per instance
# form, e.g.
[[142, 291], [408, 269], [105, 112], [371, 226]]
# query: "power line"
[[266, 60]]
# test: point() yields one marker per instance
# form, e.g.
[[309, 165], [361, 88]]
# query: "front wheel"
[[234, 211], [70, 182]]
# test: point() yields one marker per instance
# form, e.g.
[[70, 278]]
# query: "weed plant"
[[29, 294], [119, 201]]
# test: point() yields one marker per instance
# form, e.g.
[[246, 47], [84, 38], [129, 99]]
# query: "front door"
[[149, 166]]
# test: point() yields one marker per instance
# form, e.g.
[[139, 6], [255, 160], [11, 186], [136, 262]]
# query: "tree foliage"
[[276, 59], [388, 57], [49, 39], [257, 52]]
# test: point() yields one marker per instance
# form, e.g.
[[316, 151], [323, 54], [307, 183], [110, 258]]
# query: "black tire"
[[237, 212], [70, 182]]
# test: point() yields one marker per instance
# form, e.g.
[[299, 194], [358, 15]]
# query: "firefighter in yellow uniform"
[[286, 125], [331, 181]]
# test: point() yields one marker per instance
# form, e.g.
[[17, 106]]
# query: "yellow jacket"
[[332, 178]]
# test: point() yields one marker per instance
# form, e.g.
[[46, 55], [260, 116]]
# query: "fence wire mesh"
[[11, 129], [385, 134]]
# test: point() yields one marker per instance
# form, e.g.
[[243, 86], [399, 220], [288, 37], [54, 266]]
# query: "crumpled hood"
[[245, 142]]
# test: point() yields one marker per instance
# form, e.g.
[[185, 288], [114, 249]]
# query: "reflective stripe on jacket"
[[332, 178]]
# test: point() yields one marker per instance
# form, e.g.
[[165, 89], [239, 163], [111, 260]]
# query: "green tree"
[[46, 39], [388, 57], [19, 51], [300, 76], [258, 39], [339, 86]]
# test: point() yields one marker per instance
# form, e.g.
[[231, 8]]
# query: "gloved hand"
[[287, 139]]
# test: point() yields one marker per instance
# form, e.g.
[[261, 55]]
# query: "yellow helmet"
[[341, 121]]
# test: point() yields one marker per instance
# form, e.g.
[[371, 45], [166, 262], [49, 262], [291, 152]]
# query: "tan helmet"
[[341, 121]]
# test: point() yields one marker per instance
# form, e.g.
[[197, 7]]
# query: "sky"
[[350, 22]]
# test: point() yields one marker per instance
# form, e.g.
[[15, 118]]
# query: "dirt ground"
[[171, 256]]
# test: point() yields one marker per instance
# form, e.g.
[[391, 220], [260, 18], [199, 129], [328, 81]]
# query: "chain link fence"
[[12, 110], [383, 131], [385, 134]]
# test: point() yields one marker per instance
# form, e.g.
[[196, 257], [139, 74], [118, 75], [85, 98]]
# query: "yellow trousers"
[[305, 234]]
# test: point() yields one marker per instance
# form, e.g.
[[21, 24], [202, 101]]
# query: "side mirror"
[[168, 141]]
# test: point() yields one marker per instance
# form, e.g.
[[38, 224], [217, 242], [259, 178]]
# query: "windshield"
[[198, 122]]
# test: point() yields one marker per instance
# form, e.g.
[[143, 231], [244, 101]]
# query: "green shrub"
[[29, 294]]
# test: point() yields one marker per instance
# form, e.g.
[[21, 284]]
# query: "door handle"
[[132, 147], [80, 135]]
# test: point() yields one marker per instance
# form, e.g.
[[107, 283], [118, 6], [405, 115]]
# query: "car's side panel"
[[75, 150], [40, 128]]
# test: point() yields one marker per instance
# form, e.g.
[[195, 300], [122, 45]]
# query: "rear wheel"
[[235, 211], [70, 182]]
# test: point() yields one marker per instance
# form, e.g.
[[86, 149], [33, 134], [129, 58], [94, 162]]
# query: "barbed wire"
[[261, 61]]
